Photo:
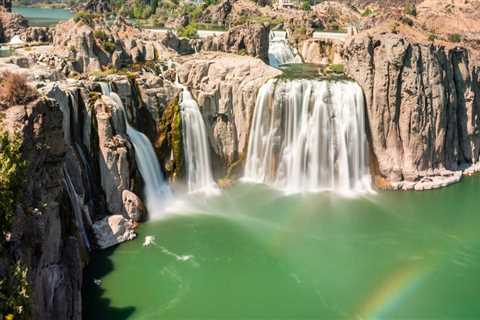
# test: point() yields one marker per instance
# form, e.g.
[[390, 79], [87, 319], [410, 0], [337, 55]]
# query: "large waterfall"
[[309, 135], [157, 191], [279, 51], [197, 153]]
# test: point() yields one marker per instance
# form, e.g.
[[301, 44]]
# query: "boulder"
[[133, 205], [113, 230]]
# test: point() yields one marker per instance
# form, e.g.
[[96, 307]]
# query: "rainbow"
[[392, 291]]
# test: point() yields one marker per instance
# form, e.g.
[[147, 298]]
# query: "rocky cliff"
[[45, 236], [422, 107]]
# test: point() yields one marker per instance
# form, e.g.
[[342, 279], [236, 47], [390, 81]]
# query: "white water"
[[279, 51], [197, 153], [157, 191], [309, 136]]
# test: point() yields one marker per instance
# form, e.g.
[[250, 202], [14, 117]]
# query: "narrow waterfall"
[[309, 136], [279, 51], [199, 172], [157, 191]]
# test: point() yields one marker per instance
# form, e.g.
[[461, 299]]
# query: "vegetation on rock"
[[190, 31], [12, 168], [14, 90], [170, 139], [15, 293]]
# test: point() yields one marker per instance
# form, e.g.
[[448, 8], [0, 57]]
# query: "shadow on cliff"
[[95, 305]]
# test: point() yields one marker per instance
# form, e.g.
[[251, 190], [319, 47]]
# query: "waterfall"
[[279, 51], [197, 153], [309, 136], [156, 189]]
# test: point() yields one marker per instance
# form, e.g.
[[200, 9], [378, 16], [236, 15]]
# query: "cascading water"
[[157, 192], [308, 136], [279, 51], [196, 149]]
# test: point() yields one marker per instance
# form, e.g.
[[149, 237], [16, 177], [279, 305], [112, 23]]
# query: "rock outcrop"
[[95, 6], [91, 44], [225, 87], [11, 24], [422, 106], [115, 153], [320, 51], [250, 38], [37, 34]]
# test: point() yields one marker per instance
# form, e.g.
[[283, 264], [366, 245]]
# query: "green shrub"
[[83, 16], [12, 168], [410, 9], [406, 20], [367, 12], [306, 5], [108, 46], [15, 293], [100, 35], [455, 37], [337, 68], [432, 37], [189, 31]]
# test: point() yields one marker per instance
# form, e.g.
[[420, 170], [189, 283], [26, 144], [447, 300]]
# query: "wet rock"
[[113, 230], [133, 205]]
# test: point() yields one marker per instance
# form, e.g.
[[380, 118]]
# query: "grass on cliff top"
[[313, 72]]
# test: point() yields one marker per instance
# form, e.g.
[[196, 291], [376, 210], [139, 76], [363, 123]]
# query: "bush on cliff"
[[454, 37], [12, 168], [190, 31], [15, 90], [83, 16]]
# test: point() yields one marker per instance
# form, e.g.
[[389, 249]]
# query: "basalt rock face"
[[45, 237], [11, 24], [225, 87], [422, 105], [320, 51], [251, 39]]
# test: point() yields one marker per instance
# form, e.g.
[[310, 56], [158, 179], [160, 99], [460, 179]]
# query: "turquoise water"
[[41, 17], [253, 253]]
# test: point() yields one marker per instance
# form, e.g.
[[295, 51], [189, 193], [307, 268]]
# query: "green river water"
[[253, 253], [41, 17]]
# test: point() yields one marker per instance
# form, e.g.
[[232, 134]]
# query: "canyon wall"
[[422, 108], [44, 235]]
